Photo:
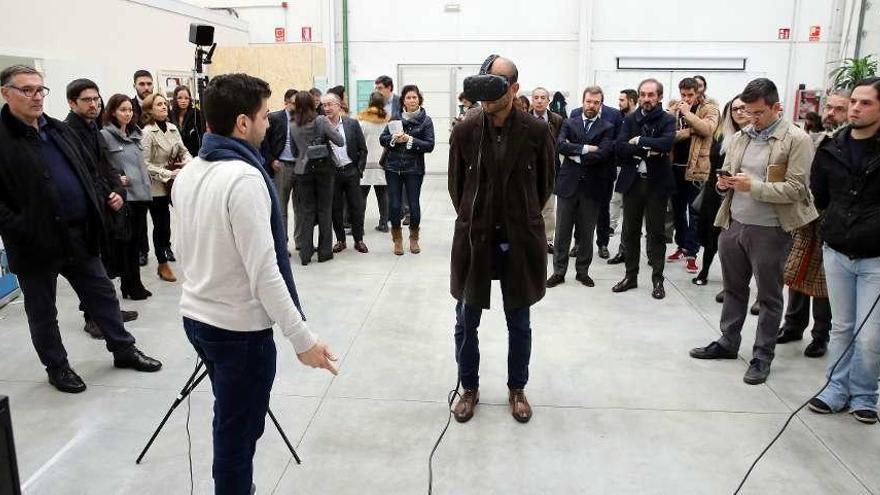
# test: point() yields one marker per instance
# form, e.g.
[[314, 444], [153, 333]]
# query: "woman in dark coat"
[[188, 119], [733, 119], [405, 165]]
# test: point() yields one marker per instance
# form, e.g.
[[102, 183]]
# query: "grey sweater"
[[127, 156], [305, 135]]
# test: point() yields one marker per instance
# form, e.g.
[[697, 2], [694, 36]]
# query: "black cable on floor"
[[189, 446], [450, 400], [793, 414]]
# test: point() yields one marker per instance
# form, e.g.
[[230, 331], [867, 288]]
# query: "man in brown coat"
[[501, 173]]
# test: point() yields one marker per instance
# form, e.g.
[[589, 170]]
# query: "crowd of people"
[[739, 181]]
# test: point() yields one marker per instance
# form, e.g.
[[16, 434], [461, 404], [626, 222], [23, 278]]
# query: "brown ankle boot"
[[165, 273], [414, 240], [397, 238], [519, 406]]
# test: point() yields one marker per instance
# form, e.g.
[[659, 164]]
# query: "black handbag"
[[319, 156]]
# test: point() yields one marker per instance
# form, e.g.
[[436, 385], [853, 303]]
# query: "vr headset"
[[485, 86]]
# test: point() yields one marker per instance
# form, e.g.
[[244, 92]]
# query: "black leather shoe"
[[169, 254], [93, 330], [659, 292], [755, 309], [135, 359], [603, 252], [617, 259], [785, 336], [128, 316], [382, 228], [142, 259], [586, 280], [816, 348], [712, 351], [66, 380], [555, 280], [758, 372], [625, 285], [719, 298], [136, 295], [574, 252]]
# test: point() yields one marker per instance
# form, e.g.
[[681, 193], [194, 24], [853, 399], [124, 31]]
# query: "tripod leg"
[[190, 385], [284, 437]]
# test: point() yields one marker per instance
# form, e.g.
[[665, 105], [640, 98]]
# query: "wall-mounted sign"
[[280, 35], [784, 33], [307, 34], [815, 33]]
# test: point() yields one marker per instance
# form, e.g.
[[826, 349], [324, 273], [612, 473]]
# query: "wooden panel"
[[283, 66]]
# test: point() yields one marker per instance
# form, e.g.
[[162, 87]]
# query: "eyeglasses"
[[30, 91], [93, 99], [741, 109]]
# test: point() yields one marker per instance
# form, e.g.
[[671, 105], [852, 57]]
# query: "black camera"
[[485, 86], [201, 34]]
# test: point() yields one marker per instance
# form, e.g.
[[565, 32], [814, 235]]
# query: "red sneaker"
[[691, 265], [678, 255]]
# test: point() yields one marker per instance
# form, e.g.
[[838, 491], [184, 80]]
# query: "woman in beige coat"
[[165, 154]]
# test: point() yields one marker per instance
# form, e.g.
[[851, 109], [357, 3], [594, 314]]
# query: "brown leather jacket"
[[702, 128]]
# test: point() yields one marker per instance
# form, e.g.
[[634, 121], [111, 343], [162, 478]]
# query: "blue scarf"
[[217, 148]]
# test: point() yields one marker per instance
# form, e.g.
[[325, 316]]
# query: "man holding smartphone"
[[764, 181]]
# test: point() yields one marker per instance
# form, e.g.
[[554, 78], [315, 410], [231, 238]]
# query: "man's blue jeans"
[[853, 286], [467, 344], [241, 366]]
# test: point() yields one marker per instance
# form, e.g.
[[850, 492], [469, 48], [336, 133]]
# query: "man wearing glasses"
[[764, 181], [51, 215], [84, 100]]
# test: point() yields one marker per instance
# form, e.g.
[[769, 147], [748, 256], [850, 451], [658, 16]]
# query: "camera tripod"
[[197, 376]]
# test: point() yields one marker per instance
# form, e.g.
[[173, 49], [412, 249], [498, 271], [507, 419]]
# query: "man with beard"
[[646, 182], [501, 167], [807, 287]]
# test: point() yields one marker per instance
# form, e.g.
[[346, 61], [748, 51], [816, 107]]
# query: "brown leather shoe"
[[361, 247], [397, 239], [165, 273], [519, 405], [339, 247], [464, 410]]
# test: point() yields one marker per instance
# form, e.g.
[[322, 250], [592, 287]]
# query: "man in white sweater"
[[237, 279]]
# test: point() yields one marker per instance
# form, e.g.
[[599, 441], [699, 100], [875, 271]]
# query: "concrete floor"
[[619, 406]]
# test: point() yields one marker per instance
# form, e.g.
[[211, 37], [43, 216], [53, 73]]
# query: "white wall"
[[106, 40], [264, 16]]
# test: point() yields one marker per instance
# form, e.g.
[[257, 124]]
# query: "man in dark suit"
[[603, 226], [540, 102], [646, 182], [385, 85], [587, 142], [51, 217], [351, 158], [280, 154]]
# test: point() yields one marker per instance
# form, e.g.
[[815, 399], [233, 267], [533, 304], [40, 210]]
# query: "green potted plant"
[[852, 70]]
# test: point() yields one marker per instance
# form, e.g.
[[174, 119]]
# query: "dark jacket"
[[192, 129], [590, 176], [528, 170], [850, 196], [33, 233], [657, 132], [96, 148], [555, 123], [138, 112], [355, 143], [410, 161], [276, 136]]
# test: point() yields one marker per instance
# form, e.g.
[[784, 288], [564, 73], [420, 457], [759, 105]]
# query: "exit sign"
[[784, 33], [280, 35]]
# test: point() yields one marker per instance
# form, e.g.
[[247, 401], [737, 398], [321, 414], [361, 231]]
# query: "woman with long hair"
[[188, 119], [165, 154], [733, 119], [122, 140], [373, 121], [314, 173], [405, 165]]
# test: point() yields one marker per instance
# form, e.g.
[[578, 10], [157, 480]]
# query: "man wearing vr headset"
[[501, 173]]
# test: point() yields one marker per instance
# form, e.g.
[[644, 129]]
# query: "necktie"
[[587, 124]]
